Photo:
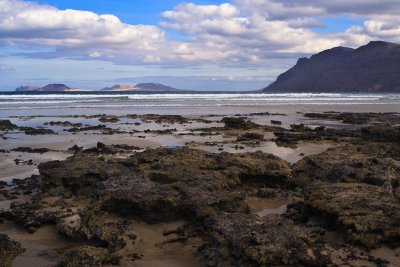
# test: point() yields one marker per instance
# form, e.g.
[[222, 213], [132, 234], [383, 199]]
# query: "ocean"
[[26, 103]]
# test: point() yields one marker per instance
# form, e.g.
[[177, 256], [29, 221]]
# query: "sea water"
[[41, 103]]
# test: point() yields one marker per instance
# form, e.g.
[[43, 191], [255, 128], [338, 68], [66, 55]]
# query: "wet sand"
[[43, 248]]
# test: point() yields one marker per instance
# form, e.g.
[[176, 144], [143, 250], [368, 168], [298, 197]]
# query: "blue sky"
[[200, 44], [129, 11]]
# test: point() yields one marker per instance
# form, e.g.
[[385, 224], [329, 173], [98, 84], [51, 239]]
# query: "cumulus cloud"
[[252, 33], [74, 31]]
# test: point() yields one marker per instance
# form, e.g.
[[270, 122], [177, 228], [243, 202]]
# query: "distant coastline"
[[141, 87]]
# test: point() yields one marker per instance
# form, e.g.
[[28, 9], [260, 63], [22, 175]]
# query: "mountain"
[[25, 88], [372, 68], [150, 87], [55, 87], [48, 88]]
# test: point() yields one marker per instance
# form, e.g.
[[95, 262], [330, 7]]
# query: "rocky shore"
[[200, 204]]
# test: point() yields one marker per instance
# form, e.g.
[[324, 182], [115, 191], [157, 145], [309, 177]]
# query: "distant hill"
[[373, 68], [55, 87], [150, 87], [24, 88], [48, 88]]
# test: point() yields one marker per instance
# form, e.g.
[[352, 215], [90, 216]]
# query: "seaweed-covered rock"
[[349, 164], [250, 240], [366, 214], [9, 250]]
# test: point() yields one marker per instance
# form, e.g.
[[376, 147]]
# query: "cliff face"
[[374, 67]]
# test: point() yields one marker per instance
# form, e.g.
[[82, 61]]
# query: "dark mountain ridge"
[[372, 68]]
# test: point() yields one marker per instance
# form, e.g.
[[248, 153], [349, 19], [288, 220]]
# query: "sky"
[[198, 45]]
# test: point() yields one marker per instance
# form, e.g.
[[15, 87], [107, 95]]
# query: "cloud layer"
[[249, 33]]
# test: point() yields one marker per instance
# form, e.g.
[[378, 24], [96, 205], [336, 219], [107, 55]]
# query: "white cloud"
[[72, 31], [249, 33]]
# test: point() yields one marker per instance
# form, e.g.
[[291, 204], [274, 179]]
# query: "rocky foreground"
[[342, 207]]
